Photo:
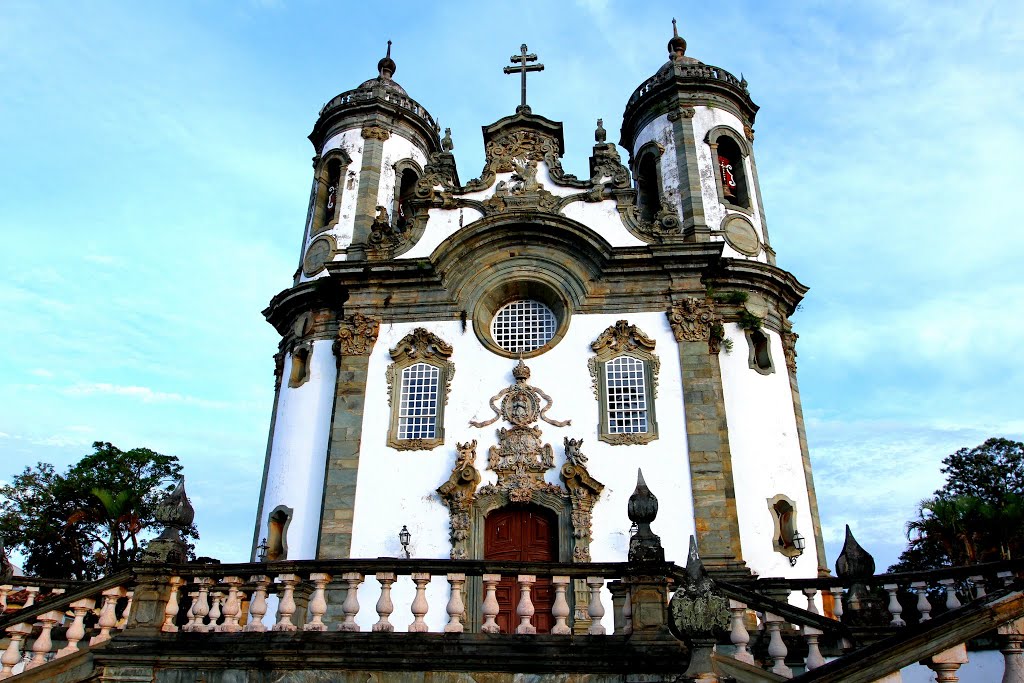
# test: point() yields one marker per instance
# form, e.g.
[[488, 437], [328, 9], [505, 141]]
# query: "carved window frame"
[[400, 167], [759, 356], [419, 346], [321, 182], [624, 340], [654, 151], [711, 139], [301, 357], [784, 519]]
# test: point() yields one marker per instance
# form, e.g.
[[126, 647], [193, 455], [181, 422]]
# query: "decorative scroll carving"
[[789, 349], [520, 459], [682, 113], [522, 193], [748, 132], [519, 144], [375, 133], [419, 346], [666, 225], [278, 369], [384, 239], [606, 167], [356, 335], [440, 172], [458, 494], [692, 319], [583, 493], [619, 339]]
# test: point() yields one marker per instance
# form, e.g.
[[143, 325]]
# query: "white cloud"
[[145, 394]]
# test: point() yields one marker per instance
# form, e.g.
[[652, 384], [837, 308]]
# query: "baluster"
[[232, 606], [215, 613], [814, 658], [946, 663], [1012, 647], [837, 602], [318, 604], [258, 604], [172, 608], [924, 606], [455, 606], [560, 608], [351, 605], [200, 606], [979, 585], [895, 608], [525, 608], [44, 643], [30, 599], [419, 603], [595, 609], [490, 607], [385, 607], [777, 649], [810, 594], [77, 629], [738, 631], [627, 613], [123, 621], [952, 602], [4, 592], [286, 605], [12, 655], [108, 618]]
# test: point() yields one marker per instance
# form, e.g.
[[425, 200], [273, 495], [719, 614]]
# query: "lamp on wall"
[[404, 537], [799, 544], [261, 551]]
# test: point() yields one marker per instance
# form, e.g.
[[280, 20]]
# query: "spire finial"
[[387, 67], [676, 46], [675, 31], [389, 42]]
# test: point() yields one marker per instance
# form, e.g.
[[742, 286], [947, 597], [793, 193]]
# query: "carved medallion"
[[317, 255], [356, 335], [375, 133], [741, 236], [692, 319]]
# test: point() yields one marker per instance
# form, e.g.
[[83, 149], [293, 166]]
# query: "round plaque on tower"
[[317, 255], [741, 236]]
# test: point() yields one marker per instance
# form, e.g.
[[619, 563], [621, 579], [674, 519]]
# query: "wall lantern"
[[261, 551], [799, 543], [404, 537]]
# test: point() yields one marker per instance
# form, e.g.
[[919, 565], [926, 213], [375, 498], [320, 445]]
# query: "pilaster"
[[707, 436], [691, 201], [369, 187], [356, 336]]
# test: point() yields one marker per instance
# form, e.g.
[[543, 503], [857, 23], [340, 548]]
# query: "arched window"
[[785, 541], [648, 185], [407, 172], [277, 533], [729, 156], [418, 384], [328, 191], [625, 375]]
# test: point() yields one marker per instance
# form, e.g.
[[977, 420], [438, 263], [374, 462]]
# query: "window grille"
[[523, 326], [417, 411], [627, 395]]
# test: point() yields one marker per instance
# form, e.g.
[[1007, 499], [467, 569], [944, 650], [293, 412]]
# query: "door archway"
[[522, 533]]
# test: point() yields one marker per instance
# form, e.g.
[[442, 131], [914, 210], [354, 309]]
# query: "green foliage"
[[91, 520], [977, 516], [734, 298], [749, 321]]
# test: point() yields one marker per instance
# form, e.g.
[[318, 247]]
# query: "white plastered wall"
[[766, 457], [397, 488], [298, 455]]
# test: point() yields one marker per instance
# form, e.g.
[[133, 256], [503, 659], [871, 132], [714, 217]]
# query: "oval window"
[[523, 326]]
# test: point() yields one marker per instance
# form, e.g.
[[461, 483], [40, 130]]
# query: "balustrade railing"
[[365, 95], [697, 71]]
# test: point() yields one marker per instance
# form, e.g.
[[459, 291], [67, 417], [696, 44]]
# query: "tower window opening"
[[277, 533], [760, 357], [648, 192], [523, 326], [333, 190], [627, 395], [731, 175], [300, 367], [328, 188], [417, 412], [406, 192]]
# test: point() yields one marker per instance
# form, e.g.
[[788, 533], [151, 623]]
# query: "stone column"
[[707, 437], [369, 187], [691, 201], [356, 336]]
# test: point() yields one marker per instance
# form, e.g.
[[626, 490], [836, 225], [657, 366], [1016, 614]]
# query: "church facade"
[[488, 364]]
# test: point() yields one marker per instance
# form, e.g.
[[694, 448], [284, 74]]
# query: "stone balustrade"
[[365, 95], [690, 72]]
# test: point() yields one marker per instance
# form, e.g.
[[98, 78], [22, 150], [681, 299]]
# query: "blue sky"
[[156, 175]]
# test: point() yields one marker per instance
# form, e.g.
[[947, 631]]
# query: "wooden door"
[[522, 534]]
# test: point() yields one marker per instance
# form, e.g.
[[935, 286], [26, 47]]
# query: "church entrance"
[[522, 534]]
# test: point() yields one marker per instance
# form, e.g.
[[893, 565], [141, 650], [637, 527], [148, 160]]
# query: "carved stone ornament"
[[789, 349], [175, 513], [519, 144], [440, 172], [583, 492], [522, 193], [681, 113], [375, 133], [278, 369], [520, 459], [606, 167], [384, 239], [698, 611], [642, 508], [458, 494], [356, 335], [665, 226], [748, 131], [692, 319]]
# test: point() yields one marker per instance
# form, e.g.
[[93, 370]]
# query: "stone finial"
[[645, 545], [698, 611], [600, 134], [175, 513], [446, 142], [520, 372], [676, 46], [387, 67], [854, 562]]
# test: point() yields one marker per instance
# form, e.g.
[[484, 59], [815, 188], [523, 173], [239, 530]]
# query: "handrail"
[[116, 579], [825, 583]]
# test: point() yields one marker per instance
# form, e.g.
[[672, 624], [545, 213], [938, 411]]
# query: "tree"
[[93, 519], [978, 514]]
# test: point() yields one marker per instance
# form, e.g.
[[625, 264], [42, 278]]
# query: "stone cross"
[[521, 59]]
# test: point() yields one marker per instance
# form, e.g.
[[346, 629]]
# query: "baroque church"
[[531, 427], [488, 364]]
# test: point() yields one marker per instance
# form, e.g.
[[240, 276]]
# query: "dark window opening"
[[406, 192], [730, 172], [648, 192]]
